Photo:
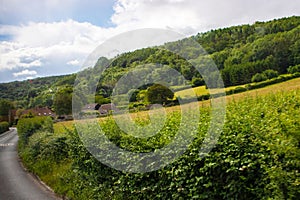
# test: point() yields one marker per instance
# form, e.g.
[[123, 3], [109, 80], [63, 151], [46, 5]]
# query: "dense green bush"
[[236, 90], [158, 94], [258, 77], [4, 126], [267, 74], [271, 73], [294, 69], [272, 81], [27, 126], [197, 82]]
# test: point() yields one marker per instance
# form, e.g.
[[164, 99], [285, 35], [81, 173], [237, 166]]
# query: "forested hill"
[[240, 52]]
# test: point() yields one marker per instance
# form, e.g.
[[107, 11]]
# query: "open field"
[[293, 84], [201, 90]]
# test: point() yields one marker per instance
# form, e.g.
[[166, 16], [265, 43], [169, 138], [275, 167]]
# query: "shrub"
[[296, 75], [294, 69], [197, 82], [159, 94], [27, 126], [203, 97], [270, 73], [4, 126], [258, 78], [236, 90], [101, 100]]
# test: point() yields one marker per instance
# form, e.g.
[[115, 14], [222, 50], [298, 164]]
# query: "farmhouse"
[[107, 108], [39, 111]]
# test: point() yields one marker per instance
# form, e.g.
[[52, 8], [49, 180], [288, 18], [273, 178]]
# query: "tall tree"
[[5, 106], [63, 101], [159, 94]]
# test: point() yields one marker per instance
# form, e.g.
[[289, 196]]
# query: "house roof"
[[39, 111]]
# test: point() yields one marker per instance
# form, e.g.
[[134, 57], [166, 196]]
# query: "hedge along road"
[[15, 182]]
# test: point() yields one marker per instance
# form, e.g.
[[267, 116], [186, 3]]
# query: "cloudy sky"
[[52, 37]]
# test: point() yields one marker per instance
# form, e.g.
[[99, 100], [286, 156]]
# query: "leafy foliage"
[[28, 126], [19, 90], [259, 77], [270, 73], [294, 69], [4, 126], [159, 94], [197, 82], [63, 101], [256, 157], [5, 106]]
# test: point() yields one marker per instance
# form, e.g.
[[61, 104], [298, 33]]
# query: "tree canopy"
[[159, 94], [63, 101]]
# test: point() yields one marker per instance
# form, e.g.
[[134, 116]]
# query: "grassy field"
[[201, 90], [293, 84]]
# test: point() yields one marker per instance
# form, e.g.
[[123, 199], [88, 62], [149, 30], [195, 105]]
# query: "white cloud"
[[36, 63], [62, 41], [59, 33], [15, 55], [73, 62], [25, 72], [190, 16], [56, 44]]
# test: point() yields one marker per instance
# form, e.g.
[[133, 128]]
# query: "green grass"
[[202, 90]]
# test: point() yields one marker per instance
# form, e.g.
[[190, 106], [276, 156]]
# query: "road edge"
[[36, 178], [11, 129]]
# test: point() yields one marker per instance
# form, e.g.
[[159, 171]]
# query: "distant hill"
[[239, 52]]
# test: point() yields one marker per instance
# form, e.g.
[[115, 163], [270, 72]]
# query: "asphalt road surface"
[[15, 182]]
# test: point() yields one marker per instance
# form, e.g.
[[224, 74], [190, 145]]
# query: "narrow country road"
[[15, 182]]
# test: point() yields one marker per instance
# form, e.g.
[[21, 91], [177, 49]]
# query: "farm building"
[[107, 108]]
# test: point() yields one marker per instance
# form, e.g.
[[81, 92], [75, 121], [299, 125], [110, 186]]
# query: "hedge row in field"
[[253, 86]]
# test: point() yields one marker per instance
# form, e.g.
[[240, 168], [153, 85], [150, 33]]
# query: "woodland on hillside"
[[243, 54]]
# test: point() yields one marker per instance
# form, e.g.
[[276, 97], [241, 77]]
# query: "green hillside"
[[242, 53]]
